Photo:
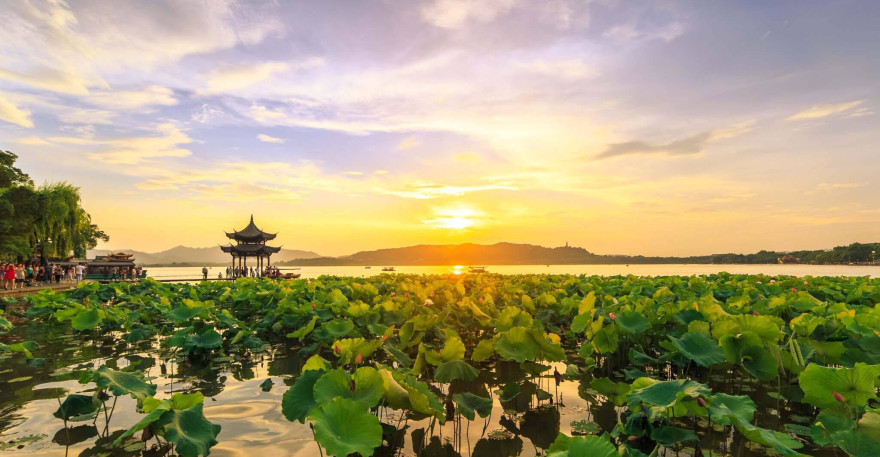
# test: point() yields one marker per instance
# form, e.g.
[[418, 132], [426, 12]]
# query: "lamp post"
[[872, 257]]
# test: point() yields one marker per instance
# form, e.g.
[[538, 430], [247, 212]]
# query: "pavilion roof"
[[250, 249], [251, 233]]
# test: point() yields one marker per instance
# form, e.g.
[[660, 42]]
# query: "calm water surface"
[[601, 270]]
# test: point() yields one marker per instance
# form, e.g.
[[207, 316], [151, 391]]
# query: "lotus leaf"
[[77, 406], [856, 385], [367, 384], [631, 322], [344, 426], [724, 406], [469, 403], [456, 369], [699, 348], [300, 398], [123, 382]]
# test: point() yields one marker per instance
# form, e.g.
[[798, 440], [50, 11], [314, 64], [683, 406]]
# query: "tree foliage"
[[47, 220]]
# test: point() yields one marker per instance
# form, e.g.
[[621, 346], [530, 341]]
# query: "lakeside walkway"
[[19, 293]]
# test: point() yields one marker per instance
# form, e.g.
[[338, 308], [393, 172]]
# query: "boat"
[[387, 268], [367, 268], [113, 267], [476, 269]]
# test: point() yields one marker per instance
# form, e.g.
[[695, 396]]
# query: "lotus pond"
[[445, 365]]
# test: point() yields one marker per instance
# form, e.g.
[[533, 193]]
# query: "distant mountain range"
[[186, 256], [496, 254]]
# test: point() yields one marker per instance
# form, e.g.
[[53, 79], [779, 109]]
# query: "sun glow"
[[457, 218]]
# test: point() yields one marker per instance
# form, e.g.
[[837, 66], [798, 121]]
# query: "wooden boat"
[[387, 268], [477, 270], [113, 267]]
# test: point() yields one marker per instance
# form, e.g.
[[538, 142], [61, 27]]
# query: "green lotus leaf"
[[699, 348], [349, 348], [631, 322], [185, 313], [300, 398], [780, 442], [857, 443], [395, 395], [453, 349], [152, 416], [123, 382], [581, 322], [768, 328], [77, 406], [316, 363], [869, 424], [368, 386], [87, 319], [303, 331], [344, 426], [469, 403], [605, 341], [484, 350], [456, 369], [723, 406], [665, 394], [398, 356], [188, 429], [338, 328], [760, 363], [25, 347], [734, 345], [615, 391], [517, 344], [422, 400], [590, 446], [512, 317], [669, 436], [856, 385], [207, 339]]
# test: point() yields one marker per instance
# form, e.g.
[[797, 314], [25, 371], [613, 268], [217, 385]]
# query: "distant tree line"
[[853, 253], [46, 221]]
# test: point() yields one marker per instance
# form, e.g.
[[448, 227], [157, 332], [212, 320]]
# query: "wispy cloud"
[[132, 150], [820, 111], [452, 14], [408, 143], [686, 146], [13, 114], [269, 139], [132, 99]]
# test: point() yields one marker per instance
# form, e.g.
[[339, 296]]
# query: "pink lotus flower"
[[393, 294], [805, 283], [432, 294], [632, 438], [772, 281], [337, 349], [313, 306], [758, 282], [429, 302], [384, 338], [755, 313], [407, 295], [701, 402], [481, 299], [612, 316], [793, 289], [838, 397], [359, 358]]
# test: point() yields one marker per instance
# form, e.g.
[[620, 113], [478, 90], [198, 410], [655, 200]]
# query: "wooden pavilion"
[[250, 242]]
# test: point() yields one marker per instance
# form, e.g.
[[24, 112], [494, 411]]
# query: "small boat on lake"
[[477, 270], [387, 268], [367, 268]]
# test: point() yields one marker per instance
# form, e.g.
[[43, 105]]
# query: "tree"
[[48, 220]]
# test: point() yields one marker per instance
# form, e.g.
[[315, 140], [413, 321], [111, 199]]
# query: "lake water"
[[601, 270]]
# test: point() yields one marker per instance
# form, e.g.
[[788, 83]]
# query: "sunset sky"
[[634, 127]]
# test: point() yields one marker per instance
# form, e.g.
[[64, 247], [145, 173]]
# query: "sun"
[[456, 218]]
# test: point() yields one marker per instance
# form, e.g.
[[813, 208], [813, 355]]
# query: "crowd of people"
[[19, 276], [268, 272]]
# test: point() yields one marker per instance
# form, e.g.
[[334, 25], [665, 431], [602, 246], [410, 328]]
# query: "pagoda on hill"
[[250, 242]]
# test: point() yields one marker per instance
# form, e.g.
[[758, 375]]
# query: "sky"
[[659, 127]]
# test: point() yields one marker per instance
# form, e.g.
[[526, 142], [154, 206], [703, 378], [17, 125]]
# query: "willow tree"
[[58, 228]]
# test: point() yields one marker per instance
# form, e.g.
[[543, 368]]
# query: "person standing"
[[204, 273], [9, 277], [80, 269]]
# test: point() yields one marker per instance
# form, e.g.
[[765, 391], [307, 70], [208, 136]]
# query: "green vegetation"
[[46, 220], [722, 364]]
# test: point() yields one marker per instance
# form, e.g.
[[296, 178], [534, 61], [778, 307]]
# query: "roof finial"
[[252, 218]]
